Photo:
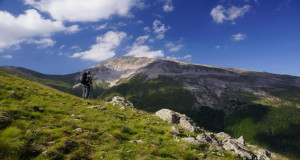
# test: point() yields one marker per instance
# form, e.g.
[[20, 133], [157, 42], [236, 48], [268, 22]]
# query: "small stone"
[[137, 141], [191, 140], [175, 131], [72, 115], [78, 130], [51, 142], [11, 92], [122, 108]]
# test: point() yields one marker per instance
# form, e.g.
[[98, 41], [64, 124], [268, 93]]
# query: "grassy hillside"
[[38, 122]]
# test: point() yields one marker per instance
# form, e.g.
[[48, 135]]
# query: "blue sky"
[[66, 36]]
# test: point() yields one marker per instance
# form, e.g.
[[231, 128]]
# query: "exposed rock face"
[[263, 154], [174, 117], [120, 101], [209, 137], [238, 148]]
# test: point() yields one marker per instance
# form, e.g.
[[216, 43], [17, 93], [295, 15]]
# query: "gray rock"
[[241, 140], [120, 101], [122, 108], [238, 148], [209, 138], [174, 117], [263, 154], [191, 140], [223, 136], [101, 108], [137, 141], [175, 131], [78, 130], [4, 117]]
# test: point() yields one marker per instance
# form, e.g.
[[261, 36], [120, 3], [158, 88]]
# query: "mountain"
[[263, 107]]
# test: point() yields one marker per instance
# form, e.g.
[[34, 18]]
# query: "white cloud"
[[186, 57], [217, 46], [140, 22], [43, 43], [7, 56], [160, 29], [15, 30], [103, 26], [141, 39], [84, 10], [239, 37], [147, 29], [220, 14], [174, 48], [144, 51], [168, 6], [104, 49]]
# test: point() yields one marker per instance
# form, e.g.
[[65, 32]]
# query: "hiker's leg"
[[84, 89], [88, 88]]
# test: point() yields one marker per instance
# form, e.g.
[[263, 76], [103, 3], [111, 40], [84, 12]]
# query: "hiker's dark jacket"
[[85, 79]]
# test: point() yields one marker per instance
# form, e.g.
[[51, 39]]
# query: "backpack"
[[83, 78]]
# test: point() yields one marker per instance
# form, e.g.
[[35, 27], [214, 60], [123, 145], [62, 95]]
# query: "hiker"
[[86, 81]]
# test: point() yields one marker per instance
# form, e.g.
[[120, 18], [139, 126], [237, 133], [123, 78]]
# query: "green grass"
[[36, 118]]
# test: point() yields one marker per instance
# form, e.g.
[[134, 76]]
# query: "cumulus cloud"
[[43, 43], [217, 46], [239, 37], [138, 49], [7, 56], [84, 10], [220, 14], [18, 29], [168, 6], [186, 57], [147, 29], [159, 29], [144, 51], [174, 48], [105, 47]]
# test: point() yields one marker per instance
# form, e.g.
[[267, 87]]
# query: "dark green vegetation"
[[275, 128], [38, 122], [163, 92]]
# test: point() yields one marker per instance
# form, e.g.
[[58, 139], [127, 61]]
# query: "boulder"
[[241, 140], [120, 101], [238, 148], [181, 119], [191, 140], [168, 115]]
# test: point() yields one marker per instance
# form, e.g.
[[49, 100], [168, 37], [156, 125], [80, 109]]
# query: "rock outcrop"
[[220, 141], [182, 120], [120, 101]]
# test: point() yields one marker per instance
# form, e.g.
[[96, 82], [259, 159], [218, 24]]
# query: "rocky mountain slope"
[[215, 87]]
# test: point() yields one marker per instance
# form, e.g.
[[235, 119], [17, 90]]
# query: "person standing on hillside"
[[86, 81]]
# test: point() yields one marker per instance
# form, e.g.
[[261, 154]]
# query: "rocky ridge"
[[220, 141]]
